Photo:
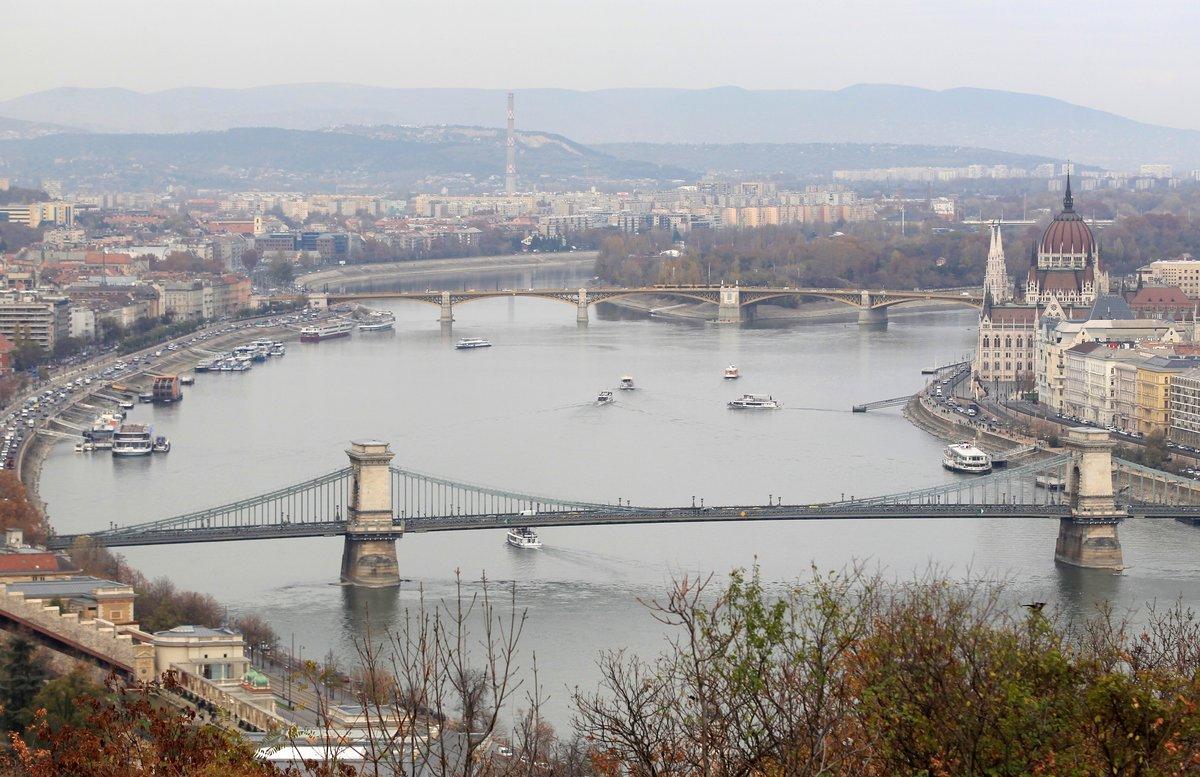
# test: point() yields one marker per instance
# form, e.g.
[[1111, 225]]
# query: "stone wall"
[[96, 635]]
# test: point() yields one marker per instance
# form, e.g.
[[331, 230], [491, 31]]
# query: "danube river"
[[521, 416]]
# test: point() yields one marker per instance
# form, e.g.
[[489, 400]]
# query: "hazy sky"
[[1140, 59]]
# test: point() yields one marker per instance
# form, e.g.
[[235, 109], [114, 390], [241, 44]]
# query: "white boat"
[[162, 445], [524, 537], [605, 398], [731, 373], [125, 404], [186, 380], [377, 322], [466, 343], [336, 327], [627, 383], [965, 457], [85, 447], [754, 402], [132, 440]]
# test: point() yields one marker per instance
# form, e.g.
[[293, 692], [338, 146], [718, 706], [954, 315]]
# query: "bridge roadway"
[[634, 515]]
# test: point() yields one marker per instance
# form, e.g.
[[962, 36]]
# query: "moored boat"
[[466, 343], [327, 331], [965, 457], [161, 445], [377, 321], [132, 440]]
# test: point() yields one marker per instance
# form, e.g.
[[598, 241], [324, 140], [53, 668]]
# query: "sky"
[[1135, 59]]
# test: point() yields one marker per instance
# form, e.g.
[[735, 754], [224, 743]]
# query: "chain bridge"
[[734, 303], [372, 503]]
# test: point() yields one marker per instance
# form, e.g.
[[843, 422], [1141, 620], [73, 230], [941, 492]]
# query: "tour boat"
[[103, 427], [627, 383], [466, 343], [184, 380], [125, 404], [731, 373], [524, 537], [278, 350], [132, 440], [204, 366], [378, 321], [148, 396], [162, 445], [605, 398], [326, 331], [965, 457], [754, 402]]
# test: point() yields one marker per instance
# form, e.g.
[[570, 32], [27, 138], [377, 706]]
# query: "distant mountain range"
[[376, 157], [868, 113]]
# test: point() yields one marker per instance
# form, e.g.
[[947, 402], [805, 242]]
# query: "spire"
[[995, 279], [1068, 202]]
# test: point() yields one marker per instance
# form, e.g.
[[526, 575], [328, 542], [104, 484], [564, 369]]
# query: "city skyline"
[[1132, 65]]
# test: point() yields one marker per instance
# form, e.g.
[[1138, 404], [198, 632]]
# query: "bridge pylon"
[[369, 554], [871, 317], [1088, 538], [729, 305], [447, 314]]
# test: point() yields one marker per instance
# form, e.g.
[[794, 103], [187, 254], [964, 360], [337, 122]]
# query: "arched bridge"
[[372, 503], [734, 303]]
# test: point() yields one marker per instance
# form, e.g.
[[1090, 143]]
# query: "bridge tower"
[[447, 314], [869, 316], [369, 555], [729, 305], [1088, 537], [581, 310]]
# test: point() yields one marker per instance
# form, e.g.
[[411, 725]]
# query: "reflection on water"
[[521, 416]]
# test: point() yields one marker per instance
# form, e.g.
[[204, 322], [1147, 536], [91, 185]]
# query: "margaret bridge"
[[735, 304], [372, 503]]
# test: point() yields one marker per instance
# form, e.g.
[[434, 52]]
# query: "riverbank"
[[390, 271]]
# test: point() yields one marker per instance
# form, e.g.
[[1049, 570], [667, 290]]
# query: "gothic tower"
[[995, 280]]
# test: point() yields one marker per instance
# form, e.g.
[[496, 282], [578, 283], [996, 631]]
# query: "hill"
[[16, 129], [378, 157], [867, 113]]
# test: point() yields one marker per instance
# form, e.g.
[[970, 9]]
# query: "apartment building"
[[1182, 271], [33, 317]]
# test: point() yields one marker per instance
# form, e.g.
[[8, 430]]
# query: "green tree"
[[23, 670], [62, 699], [281, 272]]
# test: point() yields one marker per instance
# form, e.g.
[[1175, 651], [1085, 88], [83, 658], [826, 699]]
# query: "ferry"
[[125, 404], [524, 537], [472, 342], [277, 349], [330, 329], [132, 440], [378, 321], [162, 445], [204, 366], [184, 380], [731, 373], [627, 383], [965, 457], [754, 402], [103, 427], [605, 398]]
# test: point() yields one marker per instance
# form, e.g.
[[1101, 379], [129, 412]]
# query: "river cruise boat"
[[627, 383], [731, 373], [965, 457], [103, 427], [132, 440], [524, 537], [125, 404], [467, 343], [162, 444], [379, 321], [278, 350], [605, 398], [754, 402], [326, 331]]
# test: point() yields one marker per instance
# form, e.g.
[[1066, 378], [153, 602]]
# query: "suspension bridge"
[[372, 503], [735, 304]]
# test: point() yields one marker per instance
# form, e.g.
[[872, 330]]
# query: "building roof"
[[1110, 306], [37, 563], [1085, 348], [82, 585], [1160, 295], [1068, 233], [1012, 314], [202, 632]]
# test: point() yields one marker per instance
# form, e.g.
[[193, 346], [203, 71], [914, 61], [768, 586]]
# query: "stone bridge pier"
[[869, 316], [729, 305], [447, 314], [1088, 537], [581, 307], [369, 554]]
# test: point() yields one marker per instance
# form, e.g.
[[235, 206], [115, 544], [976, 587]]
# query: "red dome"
[[1068, 234]]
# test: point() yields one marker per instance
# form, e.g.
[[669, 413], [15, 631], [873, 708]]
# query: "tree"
[[281, 272], [62, 699], [250, 259], [23, 670]]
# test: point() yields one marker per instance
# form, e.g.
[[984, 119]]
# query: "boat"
[[327, 331], [605, 398], [731, 373], [162, 445], [524, 537], [204, 366], [627, 383], [466, 343], [184, 380], [125, 404], [754, 402], [148, 396], [965, 457], [132, 440], [166, 389], [377, 321], [85, 447], [278, 350], [103, 427]]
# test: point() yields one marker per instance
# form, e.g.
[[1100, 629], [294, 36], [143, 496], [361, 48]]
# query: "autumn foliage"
[[17, 512]]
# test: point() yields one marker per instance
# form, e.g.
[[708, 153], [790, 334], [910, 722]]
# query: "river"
[[521, 416]]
